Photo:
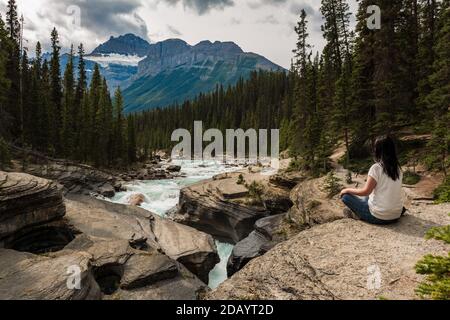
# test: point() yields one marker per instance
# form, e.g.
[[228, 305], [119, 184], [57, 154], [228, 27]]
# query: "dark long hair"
[[386, 154]]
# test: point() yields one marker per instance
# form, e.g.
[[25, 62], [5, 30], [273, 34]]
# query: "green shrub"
[[240, 180], [5, 157], [255, 191], [437, 269], [332, 185], [410, 178], [442, 193]]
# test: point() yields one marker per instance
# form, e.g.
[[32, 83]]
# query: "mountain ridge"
[[175, 71]]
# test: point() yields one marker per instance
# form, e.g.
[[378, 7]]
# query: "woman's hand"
[[344, 192]]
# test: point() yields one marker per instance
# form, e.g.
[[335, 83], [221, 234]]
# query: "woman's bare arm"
[[365, 192]]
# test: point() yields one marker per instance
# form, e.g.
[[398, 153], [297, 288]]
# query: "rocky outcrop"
[[312, 206], [31, 210], [77, 178], [136, 199], [214, 207], [195, 250], [223, 208], [110, 247], [123, 272], [268, 233], [287, 179], [344, 259], [96, 218], [24, 276]]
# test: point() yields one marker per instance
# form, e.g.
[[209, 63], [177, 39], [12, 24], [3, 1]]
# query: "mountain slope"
[[128, 44], [174, 71]]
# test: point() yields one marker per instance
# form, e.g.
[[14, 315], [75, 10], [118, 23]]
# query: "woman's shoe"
[[350, 214]]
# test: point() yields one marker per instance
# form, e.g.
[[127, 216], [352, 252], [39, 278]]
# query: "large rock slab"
[[25, 276], [344, 259], [195, 250], [184, 286], [27, 203], [76, 178], [222, 207], [312, 206], [125, 273], [96, 218]]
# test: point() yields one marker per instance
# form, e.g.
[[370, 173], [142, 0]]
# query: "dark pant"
[[360, 206]]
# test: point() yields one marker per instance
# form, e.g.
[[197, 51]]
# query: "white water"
[[163, 195]]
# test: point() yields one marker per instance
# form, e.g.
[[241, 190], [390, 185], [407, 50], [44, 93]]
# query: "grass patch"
[[410, 178], [360, 166], [442, 193]]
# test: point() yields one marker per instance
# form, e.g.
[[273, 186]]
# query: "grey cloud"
[[261, 3], [174, 31], [106, 17], [270, 19], [202, 6]]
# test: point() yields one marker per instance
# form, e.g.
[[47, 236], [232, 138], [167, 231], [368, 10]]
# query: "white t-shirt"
[[386, 201]]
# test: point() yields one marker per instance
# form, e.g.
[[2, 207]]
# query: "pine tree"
[[33, 116], [338, 55], [13, 69], [439, 98], [131, 139], [425, 56], [25, 106], [362, 88], [68, 108], [4, 83], [302, 58], [80, 96], [12, 21], [56, 94], [119, 126]]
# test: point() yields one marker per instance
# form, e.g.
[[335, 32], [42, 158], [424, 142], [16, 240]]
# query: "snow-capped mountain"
[[170, 71]]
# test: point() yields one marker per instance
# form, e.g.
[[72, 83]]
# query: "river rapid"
[[162, 195]]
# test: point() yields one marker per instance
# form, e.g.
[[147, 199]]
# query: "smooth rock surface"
[[24, 276], [26, 203], [96, 218], [337, 260], [260, 241], [222, 207]]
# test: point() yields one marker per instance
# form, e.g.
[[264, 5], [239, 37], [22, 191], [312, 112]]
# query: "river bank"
[[163, 196]]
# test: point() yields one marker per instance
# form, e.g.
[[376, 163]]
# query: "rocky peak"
[[175, 53], [128, 44]]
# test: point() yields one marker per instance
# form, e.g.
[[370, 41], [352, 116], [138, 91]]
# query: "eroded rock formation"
[[96, 218], [31, 212], [224, 208], [339, 260]]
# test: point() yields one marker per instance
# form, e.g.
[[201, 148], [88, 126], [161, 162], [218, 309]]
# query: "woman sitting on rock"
[[382, 201]]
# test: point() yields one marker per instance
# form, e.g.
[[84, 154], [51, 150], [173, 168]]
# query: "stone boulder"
[[96, 218], [24, 276], [31, 210], [268, 233], [343, 260], [312, 206], [287, 179], [222, 207], [123, 272], [76, 178], [136, 199], [174, 168], [107, 190]]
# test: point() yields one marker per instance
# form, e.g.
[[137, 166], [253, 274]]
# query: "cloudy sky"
[[261, 26]]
